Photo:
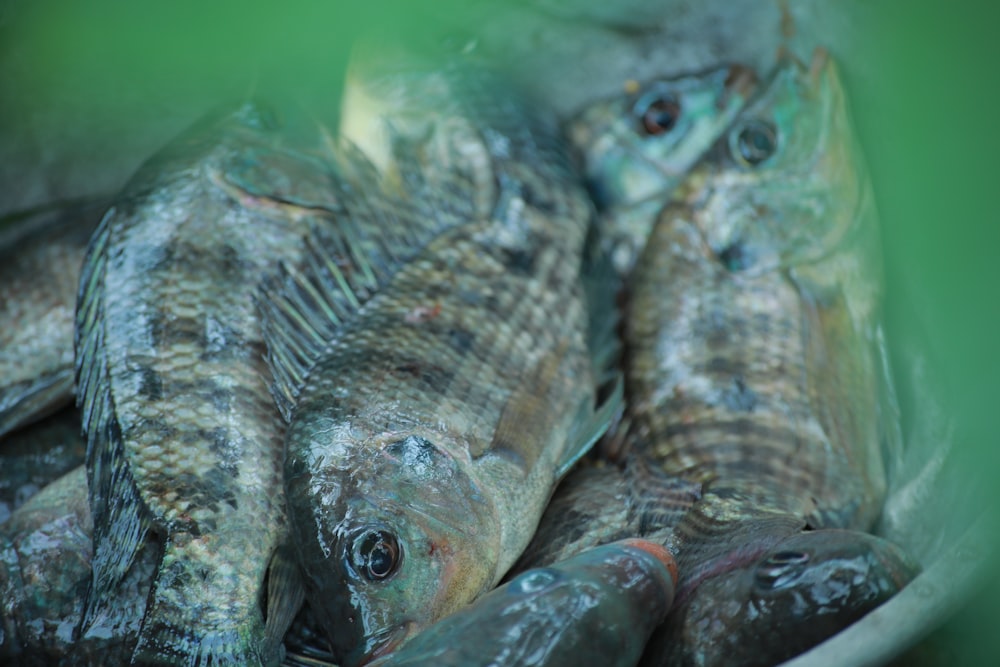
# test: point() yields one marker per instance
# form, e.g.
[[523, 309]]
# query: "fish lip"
[[389, 640]]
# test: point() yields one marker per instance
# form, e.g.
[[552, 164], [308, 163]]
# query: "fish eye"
[[658, 115], [376, 554], [756, 142]]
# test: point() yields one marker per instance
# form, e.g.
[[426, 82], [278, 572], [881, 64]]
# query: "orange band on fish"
[[658, 551]]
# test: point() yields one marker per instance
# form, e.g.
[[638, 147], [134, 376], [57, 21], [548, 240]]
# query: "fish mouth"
[[386, 642]]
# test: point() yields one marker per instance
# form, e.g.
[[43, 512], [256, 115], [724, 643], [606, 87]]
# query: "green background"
[[927, 110]]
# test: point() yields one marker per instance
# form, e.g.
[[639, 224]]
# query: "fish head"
[[392, 534], [786, 185], [800, 591], [640, 145]]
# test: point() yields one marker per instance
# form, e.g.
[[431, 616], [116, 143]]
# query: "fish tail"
[[224, 604], [120, 527]]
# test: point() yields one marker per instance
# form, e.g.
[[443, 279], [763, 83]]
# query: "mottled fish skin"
[[45, 565], [429, 429], [759, 375], [638, 147], [757, 406], [41, 253], [36, 455], [598, 607], [184, 438]]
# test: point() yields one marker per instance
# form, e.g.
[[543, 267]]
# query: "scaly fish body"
[[430, 426], [760, 376], [637, 148], [184, 438], [40, 259], [599, 605], [37, 455], [758, 405]]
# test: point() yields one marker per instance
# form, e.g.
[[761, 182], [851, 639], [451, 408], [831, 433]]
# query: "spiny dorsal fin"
[[120, 527], [349, 256]]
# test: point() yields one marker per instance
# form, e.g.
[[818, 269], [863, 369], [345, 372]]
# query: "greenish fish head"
[[639, 145], [786, 185], [392, 534], [800, 591]]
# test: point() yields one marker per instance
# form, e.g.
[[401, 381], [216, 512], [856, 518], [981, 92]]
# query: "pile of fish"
[[335, 388]]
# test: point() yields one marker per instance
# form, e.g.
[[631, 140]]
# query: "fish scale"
[[41, 252], [430, 419], [184, 439]]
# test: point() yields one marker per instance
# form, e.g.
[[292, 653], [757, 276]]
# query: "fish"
[[604, 602], [45, 560], [36, 455], [636, 148], [184, 439], [763, 377], [429, 423], [41, 253], [760, 409]]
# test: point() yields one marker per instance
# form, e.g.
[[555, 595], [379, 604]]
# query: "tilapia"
[[34, 456], [599, 606], [430, 420], [760, 410], [184, 440], [636, 148], [762, 375], [41, 253]]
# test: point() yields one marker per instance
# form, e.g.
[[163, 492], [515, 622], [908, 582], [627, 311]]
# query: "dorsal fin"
[[120, 523], [349, 256]]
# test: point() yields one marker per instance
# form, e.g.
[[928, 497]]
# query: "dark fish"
[[37, 455], [45, 561], [599, 606], [431, 416], [638, 147], [41, 253], [184, 439]]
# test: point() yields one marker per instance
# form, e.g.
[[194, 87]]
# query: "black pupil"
[[661, 116], [379, 554], [757, 142]]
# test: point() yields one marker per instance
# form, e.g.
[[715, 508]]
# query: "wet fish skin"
[[431, 424], [184, 439], [45, 560], [36, 455], [41, 253], [599, 605], [638, 147], [771, 606], [760, 374]]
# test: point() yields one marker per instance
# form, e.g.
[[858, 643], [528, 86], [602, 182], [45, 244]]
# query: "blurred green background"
[[88, 90]]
